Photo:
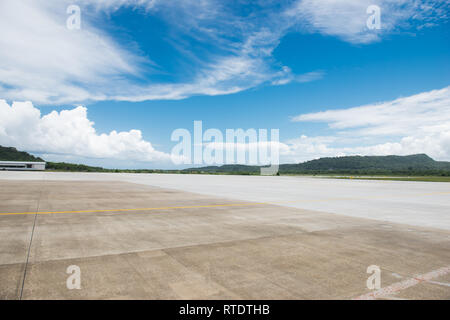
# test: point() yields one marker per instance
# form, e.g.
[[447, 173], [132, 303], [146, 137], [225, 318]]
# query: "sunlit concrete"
[[424, 204], [262, 251]]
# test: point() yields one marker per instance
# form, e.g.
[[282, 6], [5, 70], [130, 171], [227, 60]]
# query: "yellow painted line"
[[138, 209], [220, 205]]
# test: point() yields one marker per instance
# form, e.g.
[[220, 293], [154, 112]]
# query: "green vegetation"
[[414, 165], [63, 166], [70, 167], [11, 154], [226, 169], [418, 167]]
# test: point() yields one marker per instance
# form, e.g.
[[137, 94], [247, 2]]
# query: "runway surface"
[[424, 204], [221, 237]]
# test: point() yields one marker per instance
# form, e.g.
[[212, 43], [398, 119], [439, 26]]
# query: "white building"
[[22, 165]]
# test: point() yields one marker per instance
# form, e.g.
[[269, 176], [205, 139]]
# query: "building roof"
[[21, 162]]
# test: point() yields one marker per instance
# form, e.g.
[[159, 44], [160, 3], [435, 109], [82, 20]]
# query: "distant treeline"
[[413, 165], [63, 166]]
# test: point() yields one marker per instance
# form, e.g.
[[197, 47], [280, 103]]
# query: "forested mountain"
[[418, 164], [413, 164], [12, 154]]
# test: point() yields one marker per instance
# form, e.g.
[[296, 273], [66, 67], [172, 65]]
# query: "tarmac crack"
[[29, 245]]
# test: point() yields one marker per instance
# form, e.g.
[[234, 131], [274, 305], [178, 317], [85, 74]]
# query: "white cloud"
[[425, 112], [44, 62], [71, 133], [286, 76], [347, 19], [414, 124]]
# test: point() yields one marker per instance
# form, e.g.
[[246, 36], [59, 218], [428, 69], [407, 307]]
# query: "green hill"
[[418, 164], [11, 154], [413, 165]]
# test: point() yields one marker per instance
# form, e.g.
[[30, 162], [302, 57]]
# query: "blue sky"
[[142, 69]]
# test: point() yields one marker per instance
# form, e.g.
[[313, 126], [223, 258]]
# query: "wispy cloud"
[[414, 124], [347, 19], [42, 61]]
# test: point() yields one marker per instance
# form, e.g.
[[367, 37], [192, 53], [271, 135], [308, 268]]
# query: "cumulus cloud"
[[408, 125], [69, 132], [416, 124]]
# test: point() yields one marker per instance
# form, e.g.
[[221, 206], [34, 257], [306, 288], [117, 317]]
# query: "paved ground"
[[423, 204], [137, 241]]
